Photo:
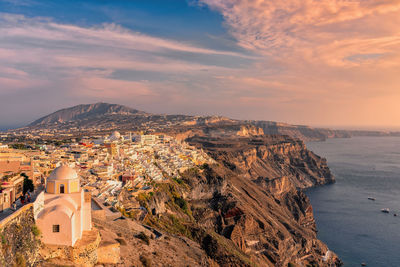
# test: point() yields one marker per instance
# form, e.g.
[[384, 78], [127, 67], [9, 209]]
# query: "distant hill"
[[86, 111], [302, 132], [100, 117]]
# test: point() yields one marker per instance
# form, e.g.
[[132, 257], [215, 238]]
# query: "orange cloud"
[[326, 62], [271, 27], [332, 62]]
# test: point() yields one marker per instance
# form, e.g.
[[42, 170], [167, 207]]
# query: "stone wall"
[[18, 242]]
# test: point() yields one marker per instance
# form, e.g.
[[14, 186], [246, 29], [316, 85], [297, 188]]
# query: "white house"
[[67, 209]]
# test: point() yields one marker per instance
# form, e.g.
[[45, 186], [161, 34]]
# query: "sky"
[[330, 63]]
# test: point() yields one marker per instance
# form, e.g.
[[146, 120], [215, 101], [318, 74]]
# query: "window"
[[61, 189], [56, 228]]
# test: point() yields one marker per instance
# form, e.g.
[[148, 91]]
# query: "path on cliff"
[[7, 212]]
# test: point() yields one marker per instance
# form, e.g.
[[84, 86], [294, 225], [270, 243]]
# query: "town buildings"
[[108, 165], [15, 162]]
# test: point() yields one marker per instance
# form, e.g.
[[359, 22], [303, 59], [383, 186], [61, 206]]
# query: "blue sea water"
[[350, 224]]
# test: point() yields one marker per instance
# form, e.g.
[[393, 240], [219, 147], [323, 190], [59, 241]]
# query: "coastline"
[[349, 223]]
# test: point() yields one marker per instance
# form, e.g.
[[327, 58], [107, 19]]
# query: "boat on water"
[[371, 198], [386, 210]]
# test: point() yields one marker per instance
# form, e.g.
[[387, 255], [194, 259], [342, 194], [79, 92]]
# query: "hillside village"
[[107, 164], [132, 190], [115, 171]]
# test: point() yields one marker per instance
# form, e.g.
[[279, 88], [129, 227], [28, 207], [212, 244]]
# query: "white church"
[[67, 210]]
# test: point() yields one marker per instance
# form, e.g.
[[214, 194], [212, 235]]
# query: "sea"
[[347, 221]]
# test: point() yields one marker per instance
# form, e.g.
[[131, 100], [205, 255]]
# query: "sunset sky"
[[332, 63]]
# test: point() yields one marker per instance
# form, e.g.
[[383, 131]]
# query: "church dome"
[[63, 172], [63, 180], [115, 136]]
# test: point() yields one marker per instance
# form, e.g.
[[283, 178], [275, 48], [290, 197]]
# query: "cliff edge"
[[248, 208]]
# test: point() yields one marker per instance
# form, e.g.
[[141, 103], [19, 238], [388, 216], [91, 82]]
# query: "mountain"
[[103, 117], [86, 111]]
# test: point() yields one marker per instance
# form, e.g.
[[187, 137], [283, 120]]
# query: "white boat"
[[386, 210], [371, 198]]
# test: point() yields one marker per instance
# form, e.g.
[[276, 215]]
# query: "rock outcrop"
[[248, 209], [303, 132], [268, 159], [84, 253]]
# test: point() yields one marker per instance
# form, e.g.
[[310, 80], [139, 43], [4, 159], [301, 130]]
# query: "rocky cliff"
[[302, 132], [247, 209], [265, 159]]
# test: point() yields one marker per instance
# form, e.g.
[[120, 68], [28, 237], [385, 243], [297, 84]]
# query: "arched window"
[[61, 189]]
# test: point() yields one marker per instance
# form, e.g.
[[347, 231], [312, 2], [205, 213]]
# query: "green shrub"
[[35, 230], [27, 185], [143, 198], [178, 180], [181, 203], [204, 166], [3, 239], [178, 226]]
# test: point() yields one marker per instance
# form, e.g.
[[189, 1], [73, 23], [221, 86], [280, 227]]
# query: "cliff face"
[[247, 209], [266, 159], [302, 132], [219, 130]]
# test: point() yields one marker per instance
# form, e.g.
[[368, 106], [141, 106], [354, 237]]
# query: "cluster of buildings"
[[135, 163], [14, 167], [106, 164], [110, 171]]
